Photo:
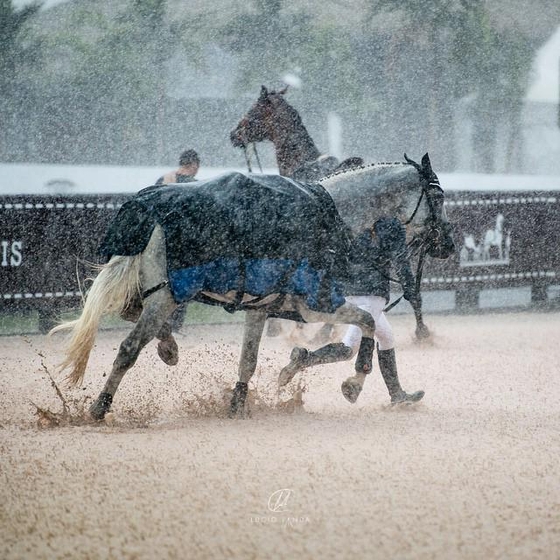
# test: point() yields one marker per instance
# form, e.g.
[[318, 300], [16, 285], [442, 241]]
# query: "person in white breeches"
[[375, 252], [383, 331]]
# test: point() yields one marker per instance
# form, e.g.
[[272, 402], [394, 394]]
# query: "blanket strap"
[[154, 289]]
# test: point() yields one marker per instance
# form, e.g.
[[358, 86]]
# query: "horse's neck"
[[293, 145], [363, 196]]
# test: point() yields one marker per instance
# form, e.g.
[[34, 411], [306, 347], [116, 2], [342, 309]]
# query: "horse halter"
[[246, 122], [248, 157], [421, 244], [435, 227], [432, 185]]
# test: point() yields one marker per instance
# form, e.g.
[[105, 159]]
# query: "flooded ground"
[[470, 472]]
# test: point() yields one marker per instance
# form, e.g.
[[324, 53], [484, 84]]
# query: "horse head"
[[272, 118], [409, 192], [259, 123], [429, 221]]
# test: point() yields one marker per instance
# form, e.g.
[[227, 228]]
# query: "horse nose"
[[444, 247], [236, 139], [442, 251]]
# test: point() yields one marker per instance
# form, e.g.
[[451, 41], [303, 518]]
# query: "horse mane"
[[361, 169], [296, 122]]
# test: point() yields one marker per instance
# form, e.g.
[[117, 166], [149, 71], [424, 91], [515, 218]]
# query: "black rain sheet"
[[238, 218]]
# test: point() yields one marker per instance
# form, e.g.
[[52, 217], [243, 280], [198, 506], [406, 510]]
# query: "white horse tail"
[[116, 284]]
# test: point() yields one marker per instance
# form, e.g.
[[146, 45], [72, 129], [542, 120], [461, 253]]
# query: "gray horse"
[[233, 241]]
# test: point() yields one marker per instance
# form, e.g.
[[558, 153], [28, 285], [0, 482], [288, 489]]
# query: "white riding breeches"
[[383, 330]]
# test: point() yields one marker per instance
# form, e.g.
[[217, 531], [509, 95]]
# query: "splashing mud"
[[469, 472]]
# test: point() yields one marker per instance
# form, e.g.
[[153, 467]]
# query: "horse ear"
[[426, 164], [264, 92], [413, 163], [283, 91]]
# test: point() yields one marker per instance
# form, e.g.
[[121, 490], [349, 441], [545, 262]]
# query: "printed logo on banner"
[[488, 248], [11, 253]]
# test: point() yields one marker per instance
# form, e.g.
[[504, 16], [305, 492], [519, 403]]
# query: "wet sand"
[[470, 472]]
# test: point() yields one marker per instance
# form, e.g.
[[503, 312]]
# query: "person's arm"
[[170, 177], [392, 242]]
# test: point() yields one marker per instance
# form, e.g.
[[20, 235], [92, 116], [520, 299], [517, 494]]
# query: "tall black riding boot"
[[301, 358], [388, 367]]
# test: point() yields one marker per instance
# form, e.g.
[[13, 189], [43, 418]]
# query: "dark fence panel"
[[504, 239], [43, 243]]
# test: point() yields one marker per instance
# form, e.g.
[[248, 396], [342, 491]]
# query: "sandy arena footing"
[[471, 472]]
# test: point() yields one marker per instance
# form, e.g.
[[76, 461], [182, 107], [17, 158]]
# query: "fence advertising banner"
[[503, 239]]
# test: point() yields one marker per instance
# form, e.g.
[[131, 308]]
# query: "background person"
[[189, 163]]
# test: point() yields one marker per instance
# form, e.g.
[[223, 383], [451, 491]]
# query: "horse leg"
[[254, 326], [352, 387], [324, 334], [156, 310], [274, 328], [167, 348]]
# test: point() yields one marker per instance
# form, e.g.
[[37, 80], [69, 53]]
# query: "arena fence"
[[505, 239]]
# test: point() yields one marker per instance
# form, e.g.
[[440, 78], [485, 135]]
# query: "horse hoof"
[[238, 414], [298, 358], [238, 410], [351, 390], [238, 400], [101, 406], [406, 398], [422, 332], [168, 351]]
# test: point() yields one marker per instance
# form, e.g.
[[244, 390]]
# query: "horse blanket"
[[255, 234]]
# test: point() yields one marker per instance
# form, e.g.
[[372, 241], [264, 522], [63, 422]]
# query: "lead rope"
[[257, 156], [418, 281], [247, 159]]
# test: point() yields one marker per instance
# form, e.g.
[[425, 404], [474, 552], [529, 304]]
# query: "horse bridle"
[[420, 245], [248, 157]]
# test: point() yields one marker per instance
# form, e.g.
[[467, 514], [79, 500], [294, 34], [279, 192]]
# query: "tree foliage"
[[396, 79], [15, 57], [12, 21], [466, 56]]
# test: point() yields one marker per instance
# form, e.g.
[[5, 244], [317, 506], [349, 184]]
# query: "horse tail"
[[117, 283]]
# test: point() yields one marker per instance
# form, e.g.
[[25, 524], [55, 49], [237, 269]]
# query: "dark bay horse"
[[273, 119], [235, 241]]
